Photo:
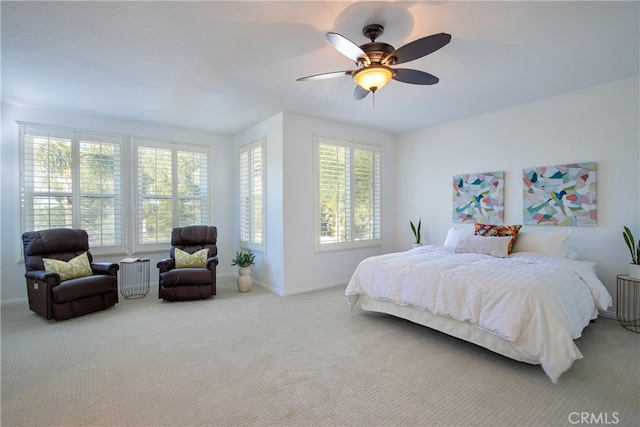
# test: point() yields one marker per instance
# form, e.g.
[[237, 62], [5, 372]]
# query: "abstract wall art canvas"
[[479, 197], [560, 195]]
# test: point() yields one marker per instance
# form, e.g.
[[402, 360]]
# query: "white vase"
[[634, 271], [417, 245], [244, 280]]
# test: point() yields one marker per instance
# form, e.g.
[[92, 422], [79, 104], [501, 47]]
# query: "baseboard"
[[267, 287]]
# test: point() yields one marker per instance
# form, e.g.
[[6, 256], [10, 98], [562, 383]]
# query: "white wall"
[[290, 264], [305, 270], [598, 124], [12, 282], [268, 271]]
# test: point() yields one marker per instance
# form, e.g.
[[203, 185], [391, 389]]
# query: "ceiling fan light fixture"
[[374, 59], [373, 77]]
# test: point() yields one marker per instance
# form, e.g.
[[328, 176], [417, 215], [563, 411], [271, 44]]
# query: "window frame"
[[175, 148], [249, 243], [76, 137], [352, 242]]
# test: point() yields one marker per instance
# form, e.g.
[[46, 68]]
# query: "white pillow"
[[454, 235], [554, 243], [495, 246], [452, 238]]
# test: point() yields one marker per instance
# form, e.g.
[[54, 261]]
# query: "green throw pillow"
[[194, 260], [74, 269]]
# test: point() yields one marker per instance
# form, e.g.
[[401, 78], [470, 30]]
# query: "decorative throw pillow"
[[498, 231], [194, 260], [76, 267], [494, 246], [511, 231], [487, 230]]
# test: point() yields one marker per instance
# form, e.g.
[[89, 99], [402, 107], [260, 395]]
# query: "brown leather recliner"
[[189, 283], [52, 298]]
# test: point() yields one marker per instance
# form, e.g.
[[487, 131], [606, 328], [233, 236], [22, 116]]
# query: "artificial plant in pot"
[[634, 249], [244, 260], [416, 233]]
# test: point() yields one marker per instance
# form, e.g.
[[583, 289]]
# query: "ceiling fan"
[[374, 60]]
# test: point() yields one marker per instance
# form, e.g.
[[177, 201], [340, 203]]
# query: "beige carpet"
[[260, 359]]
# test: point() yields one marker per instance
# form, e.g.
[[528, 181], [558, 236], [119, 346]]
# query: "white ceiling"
[[222, 67]]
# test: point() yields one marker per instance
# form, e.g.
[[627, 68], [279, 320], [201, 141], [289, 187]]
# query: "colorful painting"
[[479, 197], [560, 195]]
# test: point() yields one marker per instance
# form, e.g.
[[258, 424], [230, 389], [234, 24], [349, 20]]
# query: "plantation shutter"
[[257, 188], [155, 182], [245, 198], [366, 194], [334, 193], [47, 189], [192, 188], [73, 180], [252, 195], [100, 189], [172, 191], [347, 194]]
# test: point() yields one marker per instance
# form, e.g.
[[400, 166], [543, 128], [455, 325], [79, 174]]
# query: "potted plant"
[[416, 233], [244, 260], [634, 249]]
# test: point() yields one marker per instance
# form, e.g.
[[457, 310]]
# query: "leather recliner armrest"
[[43, 276], [105, 268], [212, 262], [166, 264]]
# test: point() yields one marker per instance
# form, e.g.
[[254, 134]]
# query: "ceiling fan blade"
[[415, 77], [417, 49], [359, 93], [326, 75], [347, 47]]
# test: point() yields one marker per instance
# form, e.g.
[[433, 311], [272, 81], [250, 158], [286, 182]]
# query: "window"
[[347, 194], [172, 190], [252, 192], [73, 180]]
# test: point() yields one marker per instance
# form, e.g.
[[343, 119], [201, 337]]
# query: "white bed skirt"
[[462, 330]]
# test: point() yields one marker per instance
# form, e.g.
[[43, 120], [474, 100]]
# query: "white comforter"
[[539, 303]]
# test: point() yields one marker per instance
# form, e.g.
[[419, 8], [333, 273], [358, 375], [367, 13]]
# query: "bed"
[[528, 305]]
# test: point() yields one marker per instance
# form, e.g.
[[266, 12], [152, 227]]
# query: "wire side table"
[[134, 277], [628, 303]]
